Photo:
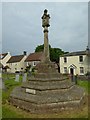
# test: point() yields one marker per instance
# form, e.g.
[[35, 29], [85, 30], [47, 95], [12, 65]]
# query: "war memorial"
[[47, 90]]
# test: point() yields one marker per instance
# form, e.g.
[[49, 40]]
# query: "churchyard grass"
[[85, 84], [10, 83], [9, 111]]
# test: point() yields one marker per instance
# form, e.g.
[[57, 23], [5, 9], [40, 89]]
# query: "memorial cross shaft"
[[45, 25]]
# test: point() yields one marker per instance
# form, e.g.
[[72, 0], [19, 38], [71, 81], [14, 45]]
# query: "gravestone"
[[47, 91], [17, 77], [24, 77]]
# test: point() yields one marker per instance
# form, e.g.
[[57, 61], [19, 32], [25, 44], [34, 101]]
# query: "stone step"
[[31, 83], [47, 79], [74, 94], [48, 75], [48, 86]]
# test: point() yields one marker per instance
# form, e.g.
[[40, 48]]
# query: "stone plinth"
[[47, 92], [47, 95]]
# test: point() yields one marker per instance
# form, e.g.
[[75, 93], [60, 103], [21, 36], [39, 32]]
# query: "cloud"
[[22, 28]]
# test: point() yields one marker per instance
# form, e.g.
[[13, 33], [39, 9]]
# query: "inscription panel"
[[30, 91]]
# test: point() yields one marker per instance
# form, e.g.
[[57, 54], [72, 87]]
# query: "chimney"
[[24, 53], [87, 51]]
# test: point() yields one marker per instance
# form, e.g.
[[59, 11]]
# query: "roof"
[[38, 56], [6, 67], [3, 55], [75, 53], [14, 59]]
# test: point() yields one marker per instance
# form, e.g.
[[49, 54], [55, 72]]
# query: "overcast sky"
[[22, 27]]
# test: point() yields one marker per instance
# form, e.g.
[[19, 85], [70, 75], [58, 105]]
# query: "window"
[[80, 58], [34, 63], [81, 70], [65, 69], [65, 59], [28, 63]]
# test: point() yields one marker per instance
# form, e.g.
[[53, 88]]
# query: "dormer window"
[[80, 58], [65, 60]]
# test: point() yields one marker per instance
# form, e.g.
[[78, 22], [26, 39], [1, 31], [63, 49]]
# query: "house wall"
[[17, 66], [73, 60], [32, 63], [5, 59]]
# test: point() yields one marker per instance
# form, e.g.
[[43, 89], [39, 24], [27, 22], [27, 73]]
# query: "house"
[[3, 60], [34, 58], [75, 63], [16, 63]]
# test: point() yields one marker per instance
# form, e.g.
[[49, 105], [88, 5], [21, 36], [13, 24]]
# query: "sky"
[[22, 26]]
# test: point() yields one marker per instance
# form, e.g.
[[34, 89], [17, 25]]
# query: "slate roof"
[[38, 56], [75, 53], [3, 55], [14, 59]]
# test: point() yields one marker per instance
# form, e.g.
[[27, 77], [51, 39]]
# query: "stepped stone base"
[[47, 92]]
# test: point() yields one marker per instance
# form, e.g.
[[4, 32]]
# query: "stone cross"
[[45, 25]]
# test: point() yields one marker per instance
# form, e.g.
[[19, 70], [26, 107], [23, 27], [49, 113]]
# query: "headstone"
[[75, 79], [24, 77], [17, 77]]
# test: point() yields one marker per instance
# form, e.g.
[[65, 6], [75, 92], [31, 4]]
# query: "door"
[[71, 71], [72, 74]]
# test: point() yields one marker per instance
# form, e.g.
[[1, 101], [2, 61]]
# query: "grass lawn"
[[9, 111], [10, 84], [85, 85]]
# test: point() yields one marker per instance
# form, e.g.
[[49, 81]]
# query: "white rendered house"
[[76, 63], [3, 60], [16, 63]]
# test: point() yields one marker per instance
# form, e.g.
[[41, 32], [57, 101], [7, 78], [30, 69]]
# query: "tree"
[[40, 48], [54, 52]]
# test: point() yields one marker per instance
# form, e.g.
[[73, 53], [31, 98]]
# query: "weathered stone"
[[47, 91], [17, 77], [24, 77]]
